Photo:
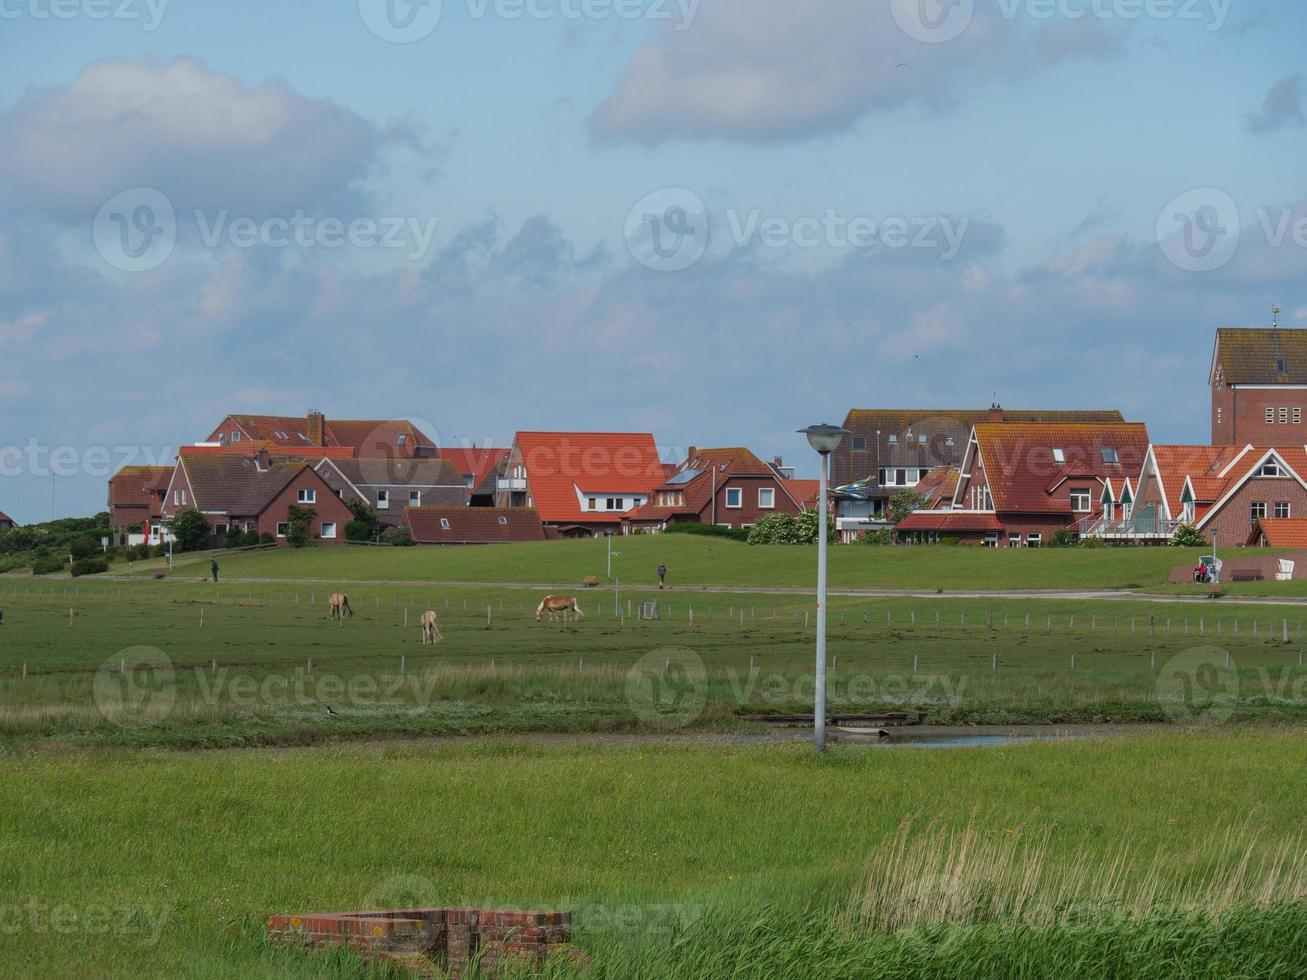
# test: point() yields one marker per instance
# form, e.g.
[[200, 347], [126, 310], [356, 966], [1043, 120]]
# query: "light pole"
[[825, 439]]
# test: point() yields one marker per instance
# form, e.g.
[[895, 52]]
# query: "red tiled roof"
[[361, 436], [1021, 466], [473, 525], [558, 464], [1215, 471], [698, 489], [476, 462], [938, 486], [930, 520], [6, 519], [1280, 532], [236, 486], [804, 492], [138, 486]]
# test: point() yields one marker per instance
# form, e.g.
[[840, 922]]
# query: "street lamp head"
[[825, 438]]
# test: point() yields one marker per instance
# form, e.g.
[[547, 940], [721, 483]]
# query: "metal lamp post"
[[825, 439]]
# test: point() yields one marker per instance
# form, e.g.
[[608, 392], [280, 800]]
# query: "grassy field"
[[697, 561], [189, 664], [677, 861]]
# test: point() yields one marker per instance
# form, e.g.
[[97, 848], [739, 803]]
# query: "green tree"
[[190, 528], [903, 503], [1188, 536], [299, 520], [366, 523]]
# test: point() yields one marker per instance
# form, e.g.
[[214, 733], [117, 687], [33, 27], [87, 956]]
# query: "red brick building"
[[481, 467], [1259, 387], [1020, 483], [136, 497], [253, 493], [1222, 490], [473, 525], [583, 484], [729, 487], [360, 437], [389, 485], [6, 522]]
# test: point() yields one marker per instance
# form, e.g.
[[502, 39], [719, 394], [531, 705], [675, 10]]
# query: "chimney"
[[693, 452], [778, 462], [317, 429], [261, 459], [995, 413]]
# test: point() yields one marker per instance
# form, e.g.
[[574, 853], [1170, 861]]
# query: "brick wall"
[[1234, 523], [748, 513], [1239, 416], [420, 940]]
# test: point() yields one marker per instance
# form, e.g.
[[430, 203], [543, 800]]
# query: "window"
[[222, 438], [766, 498], [592, 504], [1014, 541], [444, 523], [1297, 416], [503, 521], [893, 439], [734, 497], [1059, 456], [401, 439], [383, 499], [1110, 456], [328, 530], [1257, 511], [235, 436], [921, 440], [468, 477], [1282, 509], [221, 529], [1279, 365], [1188, 515], [613, 503], [1034, 540], [1271, 468], [1218, 414], [415, 498], [282, 528], [340, 494], [948, 441], [1284, 416], [1270, 416], [900, 478], [1080, 501], [859, 444], [307, 496], [991, 539]]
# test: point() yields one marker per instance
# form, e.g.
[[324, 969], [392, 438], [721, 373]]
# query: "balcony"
[[510, 484], [1145, 527]]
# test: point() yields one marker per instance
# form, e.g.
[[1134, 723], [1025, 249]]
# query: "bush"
[[158, 551], [399, 537], [191, 530], [138, 552], [1188, 536], [709, 531], [358, 531], [299, 520], [89, 566], [83, 548], [1062, 539], [789, 529], [881, 537], [267, 537], [47, 566]]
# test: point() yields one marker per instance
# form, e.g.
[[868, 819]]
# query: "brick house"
[[893, 449], [1020, 483], [1221, 490], [1259, 387], [730, 487], [6, 522], [360, 437], [583, 484], [1268, 532], [473, 525], [253, 492], [136, 498], [480, 467], [392, 484]]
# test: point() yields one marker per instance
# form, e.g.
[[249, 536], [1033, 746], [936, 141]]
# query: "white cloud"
[[776, 69], [198, 135]]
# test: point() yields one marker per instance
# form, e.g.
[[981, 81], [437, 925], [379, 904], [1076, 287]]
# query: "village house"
[[136, 501], [1020, 483], [389, 485], [253, 492], [1259, 387], [1223, 491], [473, 525], [728, 487], [481, 467], [583, 484], [360, 437], [6, 522], [892, 450]]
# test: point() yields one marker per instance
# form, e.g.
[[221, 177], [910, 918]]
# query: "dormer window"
[[1270, 468]]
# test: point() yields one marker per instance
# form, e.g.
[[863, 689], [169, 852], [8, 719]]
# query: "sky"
[[716, 220]]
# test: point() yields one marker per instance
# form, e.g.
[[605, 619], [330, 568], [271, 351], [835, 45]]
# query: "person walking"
[[213, 567], [662, 575]]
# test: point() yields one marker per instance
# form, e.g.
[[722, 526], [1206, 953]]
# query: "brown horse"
[[338, 604], [556, 604], [430, 631]]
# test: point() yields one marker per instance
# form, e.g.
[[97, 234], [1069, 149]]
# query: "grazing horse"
[[430, 631], [556, 604], [338, 604]]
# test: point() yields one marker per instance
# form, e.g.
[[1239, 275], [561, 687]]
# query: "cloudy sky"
[[716, 220]]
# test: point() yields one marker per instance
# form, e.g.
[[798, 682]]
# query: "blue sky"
[[873, 204]]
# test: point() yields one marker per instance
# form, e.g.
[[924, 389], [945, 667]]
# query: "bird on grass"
[[332, 711]]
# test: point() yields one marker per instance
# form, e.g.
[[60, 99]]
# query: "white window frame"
[[769, 494], [1270, 416], [503, 520], [325, 534], [444, 523], [1284, 415], [306, 495], [415, 498], [1284, 505], [383, 500], [1087, 496], [739, 498], [1034, 540], [991, 539], [283, 528], [1014, 541]]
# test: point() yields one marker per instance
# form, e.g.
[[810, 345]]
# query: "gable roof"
[[1212, 474], [704, 470], [362, 436], [1022, 466], [561, 464], [1251, 356], [6, 519], [473, 525], [139, 486], [1280, 532], [481, 463], [938, 486], [236, 485], [803, 492]]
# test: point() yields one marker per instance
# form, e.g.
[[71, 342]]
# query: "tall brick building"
[[1259, 387]]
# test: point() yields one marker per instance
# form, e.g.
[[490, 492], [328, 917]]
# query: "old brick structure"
[[1259, 387], [425, 940], [473, 525]]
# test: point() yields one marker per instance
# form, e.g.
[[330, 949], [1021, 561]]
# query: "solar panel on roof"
[[685, 476]]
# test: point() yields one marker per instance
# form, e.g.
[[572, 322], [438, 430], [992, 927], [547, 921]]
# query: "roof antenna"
[[1275, 318]]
